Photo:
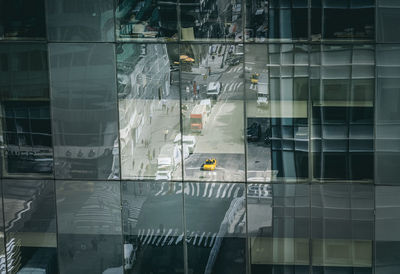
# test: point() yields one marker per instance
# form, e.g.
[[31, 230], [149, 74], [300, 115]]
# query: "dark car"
[[233, 61], [254, 132]]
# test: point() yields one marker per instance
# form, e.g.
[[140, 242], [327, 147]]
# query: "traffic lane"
[[230, 167]]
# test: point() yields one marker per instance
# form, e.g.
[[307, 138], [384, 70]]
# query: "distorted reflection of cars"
[[210, 164], [254, 78], [254, 132]]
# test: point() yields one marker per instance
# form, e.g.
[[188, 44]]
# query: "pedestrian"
[[165, 135], [151, 116]]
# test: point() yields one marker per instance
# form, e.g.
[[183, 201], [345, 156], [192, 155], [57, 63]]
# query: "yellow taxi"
[[210, 164], [254, 78]]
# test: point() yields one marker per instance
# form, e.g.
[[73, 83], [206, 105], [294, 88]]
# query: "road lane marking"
[[212, 239], [230, 191], [236, 192], [198, 189], [205, 191], [166, 236], [219, 190], [224, 191], [211, 189], [179, 239], [201, 238]]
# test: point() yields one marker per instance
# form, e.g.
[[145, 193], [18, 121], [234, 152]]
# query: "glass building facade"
[[199, 136]]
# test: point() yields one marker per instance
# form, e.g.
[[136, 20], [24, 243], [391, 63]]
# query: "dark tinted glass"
[[84, 108], [30, 226], [22, 19], [152, 227], [89, 227], [216, 227], [25, 134], [80, 21]]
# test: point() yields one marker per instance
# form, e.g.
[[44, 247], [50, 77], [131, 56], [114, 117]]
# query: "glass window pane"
[[216, 227], [152, 226], [25, 136], [212, 110], [30, 225], [84, 108], [89, 227], [80, 21]]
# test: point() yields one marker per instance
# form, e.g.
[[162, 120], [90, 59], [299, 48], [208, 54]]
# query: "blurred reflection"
[[342, 227], [212, 111], [148, 92], [25, 131], [22, 19], [211, 20], [89, 227], [75, 20], [152, 227], [278, 227], [387, 123], [84, 112], [342, 88], [146, 20], [30, 226], [216, 227]]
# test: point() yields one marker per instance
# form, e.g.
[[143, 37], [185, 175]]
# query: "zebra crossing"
[[235, 69], [174, 236], [201, 190], [232, 86]]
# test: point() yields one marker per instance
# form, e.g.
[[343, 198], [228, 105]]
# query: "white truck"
[[213, 89], [189, 142], [168, 160], [262, 91]]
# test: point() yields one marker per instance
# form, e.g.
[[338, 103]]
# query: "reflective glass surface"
[[148, 97], [278, 228], [89, 227], [80, 21], [25, 132], [203, 20], [387, 243], [342, 218], [22, 20], [212, 111], [84, 111], [146, 20], [215, 227], [152, 219], [3, 261], [30, 226], [387, 124]]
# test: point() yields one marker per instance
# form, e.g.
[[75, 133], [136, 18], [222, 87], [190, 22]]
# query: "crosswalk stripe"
[[219, 190], [205, 241], [205, 191], [179, 238], [201, 238], [195, 239], [147, 235], [193, 188], [212, 239], [166, 236], [230, 191], [198, 189], [161, 190], [160, 237], [211, 189], [224, 191]]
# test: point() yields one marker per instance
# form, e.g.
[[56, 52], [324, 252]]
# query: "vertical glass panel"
[[145, 20], [84, 108], [25, 131], [212, 111], [30, 226], [276, 105], [3, 261], [357, 19], [21, 20], [212, 20], [216, 227], [387, 115], [152, 226], [387, 223], [80, 21], [342, 228], [388, 16], [89, 227], [278, 228], [148, 95]]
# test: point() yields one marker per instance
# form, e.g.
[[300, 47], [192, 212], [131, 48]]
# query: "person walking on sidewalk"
[[165, 135]]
